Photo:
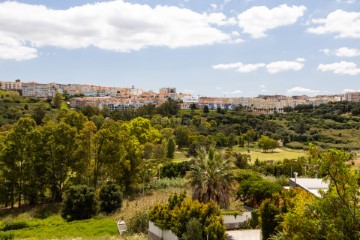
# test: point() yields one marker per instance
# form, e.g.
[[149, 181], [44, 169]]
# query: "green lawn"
[[180, 156], [54, 227], [278, 154]]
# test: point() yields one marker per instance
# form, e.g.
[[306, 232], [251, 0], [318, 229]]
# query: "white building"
[[34, 89], [13, 86]]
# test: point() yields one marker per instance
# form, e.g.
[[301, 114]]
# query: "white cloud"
[[250, 67], [342, 68], [342, 52], [11, 49], [300, 59], [213, 6], [273, 67], [238, 66], [113, 25], [227, 66], [283, 66], [326, 51], [233, 92], [348, 90], [256, 21], [347, 1], [301, 90], [347, 52], [236, 92], [262, 86], [342, 23]]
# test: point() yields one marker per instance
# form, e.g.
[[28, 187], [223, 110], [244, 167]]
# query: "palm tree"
[[211, 177]]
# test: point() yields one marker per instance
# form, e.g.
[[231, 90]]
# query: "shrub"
[[168, 183], [6, 236], [15, 226], [179, 210], [110, 198], [80, 203], [138, 223], [193, 230]]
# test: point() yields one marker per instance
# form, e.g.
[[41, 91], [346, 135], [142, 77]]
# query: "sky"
[[231, 48]]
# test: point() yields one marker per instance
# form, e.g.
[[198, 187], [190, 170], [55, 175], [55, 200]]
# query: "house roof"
[[311, 185]]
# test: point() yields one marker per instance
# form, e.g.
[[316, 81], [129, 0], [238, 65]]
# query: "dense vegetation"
[[50, 155]]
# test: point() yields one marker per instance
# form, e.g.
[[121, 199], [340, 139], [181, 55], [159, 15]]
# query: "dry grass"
[[134, 205]]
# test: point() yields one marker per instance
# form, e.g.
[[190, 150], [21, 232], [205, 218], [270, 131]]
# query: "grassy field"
[[180, 156], [45, 222], [276, 155]]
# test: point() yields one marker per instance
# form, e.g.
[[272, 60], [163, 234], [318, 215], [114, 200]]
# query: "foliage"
[[180, 210], [80, 203], [268, 212], [170, 148], [256, 191], [15, 225], [173, 169], [242, 160], [57, 100], [333, 216], [6, 236], [267, 143], [193, 230], [211, 178], [138, 223], [110, 198]]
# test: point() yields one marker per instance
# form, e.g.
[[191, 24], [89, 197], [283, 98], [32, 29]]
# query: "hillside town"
[[116, 98]]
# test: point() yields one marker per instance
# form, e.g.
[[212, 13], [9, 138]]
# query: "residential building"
[[13, 86], [352, 96]]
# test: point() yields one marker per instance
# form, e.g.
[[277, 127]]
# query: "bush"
[[15, 226], [80, 203], [193, 230], [110, 198], [6, 236], [138, 223], [179, 211]]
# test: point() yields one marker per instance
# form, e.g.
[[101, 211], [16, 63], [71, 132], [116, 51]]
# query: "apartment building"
[[12, 86], [33, 89], [352, 96]]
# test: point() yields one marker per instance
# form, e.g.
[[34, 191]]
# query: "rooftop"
[[311, 185]]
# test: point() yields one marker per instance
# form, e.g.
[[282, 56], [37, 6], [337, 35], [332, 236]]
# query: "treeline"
[[38, 162]]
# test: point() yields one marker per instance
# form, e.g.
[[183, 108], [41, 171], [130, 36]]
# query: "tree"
[[267, 143], [268, 213], [211, 178], [193, 106], [257, 191], [336, 214], [170, 148], [250, 136], [182, 135], [110, 198], [38, 114], [80, 203], [169, 108], [57, 153], [57, 100], [206, 109], [18, 156], [242, 160]]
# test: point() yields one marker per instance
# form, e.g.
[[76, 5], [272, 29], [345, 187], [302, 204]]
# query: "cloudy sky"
[[204, 47]]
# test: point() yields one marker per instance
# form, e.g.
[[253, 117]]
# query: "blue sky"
[[209, 48]]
